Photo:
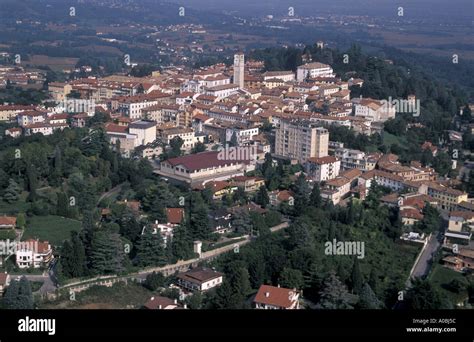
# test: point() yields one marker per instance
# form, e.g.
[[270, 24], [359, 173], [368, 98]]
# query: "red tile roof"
[[275, 296], [202, 160], [7, 221], [175, 215]]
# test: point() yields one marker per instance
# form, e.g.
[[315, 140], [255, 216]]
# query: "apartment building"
[[244, 134], [144, 130], [187, 135], [448, 198], [323, 169], [10, 112], [339, 188], [355, 159], [301, 140], [30, 117]]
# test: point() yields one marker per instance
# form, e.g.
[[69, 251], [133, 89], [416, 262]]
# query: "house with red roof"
[[271, 297]]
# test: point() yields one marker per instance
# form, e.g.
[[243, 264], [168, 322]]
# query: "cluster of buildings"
[[202, 279]]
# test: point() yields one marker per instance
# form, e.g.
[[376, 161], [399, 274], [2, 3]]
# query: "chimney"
[[159, 307], [156, 221], [278, 285], [176, 301], [267, 294], [185, 306]]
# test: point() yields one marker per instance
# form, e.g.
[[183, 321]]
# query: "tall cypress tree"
[[356, 277], [79, 256], [315, 199]]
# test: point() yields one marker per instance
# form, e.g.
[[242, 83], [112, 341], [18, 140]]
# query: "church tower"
[[239, 64]]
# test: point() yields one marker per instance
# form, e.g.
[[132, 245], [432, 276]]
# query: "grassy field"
[[54, 229], [119, 296], [442, 276]]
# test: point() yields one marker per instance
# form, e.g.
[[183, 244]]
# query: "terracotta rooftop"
[[275, 296]]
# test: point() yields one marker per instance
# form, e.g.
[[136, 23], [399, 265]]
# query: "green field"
[[54, 229], [442, 276]]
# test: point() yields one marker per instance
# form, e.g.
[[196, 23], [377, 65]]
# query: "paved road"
[[110, 193], [423, 266]]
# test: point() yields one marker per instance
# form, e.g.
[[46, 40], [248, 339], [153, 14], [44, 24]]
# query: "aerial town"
[[290, 178]]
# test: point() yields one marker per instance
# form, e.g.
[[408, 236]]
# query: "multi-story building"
[[323, 169], [187, 135], [355, 159], [222, 91], [244, 135], [33, 253], [144, 130], [374, 110], [10, 112], [312, 70], [301, 140], [448, 198], [285, 76]]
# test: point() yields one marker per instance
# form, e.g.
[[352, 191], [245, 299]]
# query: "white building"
[[144, 130], [312, 70], [285, 76], [222, 91], [323, 169], [200, 279], [244, 135], [33, 253], [373, 110]]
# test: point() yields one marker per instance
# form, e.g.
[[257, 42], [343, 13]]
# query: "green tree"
[[356, 277], [62, 206], [262, 197], [181, 244], [107, 254], [368, 299], [21, 220], [12, 192], [154, 281], [334, 295], [291, 278], [422, 296], [18, 295], [315, 199], [198, 148], [150, 250]]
